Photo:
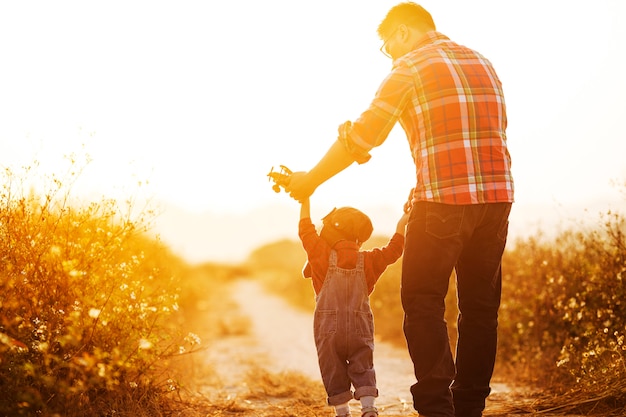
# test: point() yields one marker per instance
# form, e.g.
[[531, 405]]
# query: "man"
[[450, 103]]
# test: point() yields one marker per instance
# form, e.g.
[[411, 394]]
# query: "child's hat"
[[350, 223]]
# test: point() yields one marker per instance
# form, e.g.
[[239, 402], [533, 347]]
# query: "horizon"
[[210, 236]]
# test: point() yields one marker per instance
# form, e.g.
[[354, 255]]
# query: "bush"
[[85, 299], [206, 304], [563, 318], [279, 266]]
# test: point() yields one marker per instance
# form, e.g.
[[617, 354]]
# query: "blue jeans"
[[440, 238]]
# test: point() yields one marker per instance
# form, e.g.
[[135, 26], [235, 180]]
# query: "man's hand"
[[300, 186], [303, 184]]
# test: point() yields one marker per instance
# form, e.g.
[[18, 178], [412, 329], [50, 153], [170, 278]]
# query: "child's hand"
[[401, 227], [404, 220], [409, 202]]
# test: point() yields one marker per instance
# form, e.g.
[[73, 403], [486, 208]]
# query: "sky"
[[197, 100]]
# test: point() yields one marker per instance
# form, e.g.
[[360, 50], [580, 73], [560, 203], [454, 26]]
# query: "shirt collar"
[[430, 38], [346, 244]]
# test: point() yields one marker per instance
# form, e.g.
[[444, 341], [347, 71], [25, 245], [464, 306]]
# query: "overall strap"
[[360, 262], [332, 260]]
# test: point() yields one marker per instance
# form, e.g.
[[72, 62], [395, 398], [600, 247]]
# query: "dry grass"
[[285, 394], [578, 401]]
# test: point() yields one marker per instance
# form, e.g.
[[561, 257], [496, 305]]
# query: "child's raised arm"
[[305, 209]]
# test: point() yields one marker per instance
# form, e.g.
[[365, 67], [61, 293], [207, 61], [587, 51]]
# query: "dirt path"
[[281, 339]]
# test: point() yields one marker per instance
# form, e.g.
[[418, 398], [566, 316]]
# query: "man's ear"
[[404, 32]]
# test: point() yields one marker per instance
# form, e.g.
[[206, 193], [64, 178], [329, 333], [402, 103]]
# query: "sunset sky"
[[202, 98]]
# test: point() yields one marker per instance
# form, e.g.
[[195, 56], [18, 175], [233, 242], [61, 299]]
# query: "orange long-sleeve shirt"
[[318, 252]]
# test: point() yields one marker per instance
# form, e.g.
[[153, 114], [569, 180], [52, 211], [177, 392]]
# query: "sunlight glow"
[[171, 97]]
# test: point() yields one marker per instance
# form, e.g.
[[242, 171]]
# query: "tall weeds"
[[563, 321], [86, 303]]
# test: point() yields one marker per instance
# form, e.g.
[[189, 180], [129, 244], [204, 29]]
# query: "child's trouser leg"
[[333, 367]]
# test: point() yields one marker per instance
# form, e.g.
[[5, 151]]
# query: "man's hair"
[[408, 13]]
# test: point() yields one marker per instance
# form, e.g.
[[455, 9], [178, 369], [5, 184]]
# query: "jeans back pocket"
[[444, 221]]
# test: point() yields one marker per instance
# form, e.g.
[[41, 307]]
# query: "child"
[[343, 277]]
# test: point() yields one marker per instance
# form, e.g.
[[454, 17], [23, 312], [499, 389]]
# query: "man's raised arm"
[[303, 184]]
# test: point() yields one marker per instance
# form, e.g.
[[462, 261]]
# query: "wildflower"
[[171, 385], [144, 344], [193, 339]]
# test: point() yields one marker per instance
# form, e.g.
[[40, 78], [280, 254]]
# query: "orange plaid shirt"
[[449, 101]]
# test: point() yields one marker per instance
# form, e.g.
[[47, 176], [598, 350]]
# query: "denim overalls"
[[343, 327]]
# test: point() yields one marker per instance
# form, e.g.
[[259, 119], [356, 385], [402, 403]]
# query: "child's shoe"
[[369, 412]]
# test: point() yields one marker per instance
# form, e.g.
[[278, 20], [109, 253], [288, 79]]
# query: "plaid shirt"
[[450, 103]]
